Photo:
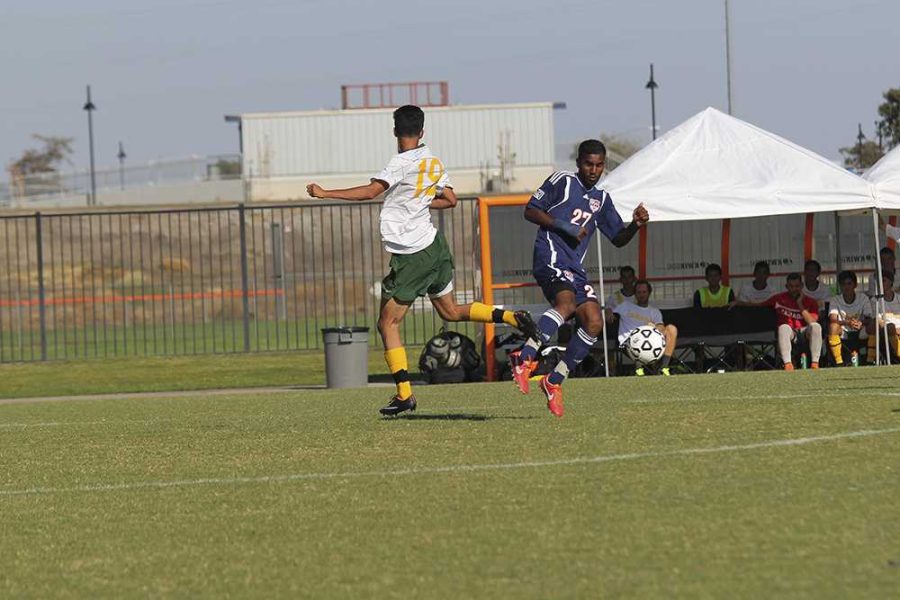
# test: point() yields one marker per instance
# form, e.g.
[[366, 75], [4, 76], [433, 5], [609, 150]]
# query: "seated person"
[[626, 293], [891, 318], [887, 264], [848, 314], [639, 313], [796, 315], [760, 289], [812, 287], [713, 295]]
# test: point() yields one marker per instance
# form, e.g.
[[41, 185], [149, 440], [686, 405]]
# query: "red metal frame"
[[392, 95]]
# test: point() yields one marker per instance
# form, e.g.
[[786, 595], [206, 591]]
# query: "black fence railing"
[[205, 280]]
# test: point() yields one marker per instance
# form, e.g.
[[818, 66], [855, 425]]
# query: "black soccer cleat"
[[526, 324], [398, 406]]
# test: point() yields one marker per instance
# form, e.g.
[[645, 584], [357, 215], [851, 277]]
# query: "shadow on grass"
[[453, 417]]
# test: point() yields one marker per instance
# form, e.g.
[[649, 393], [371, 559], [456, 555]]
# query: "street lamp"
[[652, 85], [121, 156], [90, 108], [728, 52], [860, 138]]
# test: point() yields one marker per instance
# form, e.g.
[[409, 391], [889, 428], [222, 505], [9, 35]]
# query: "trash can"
[[346, 356]]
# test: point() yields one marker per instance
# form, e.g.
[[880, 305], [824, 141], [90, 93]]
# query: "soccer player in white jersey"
[[891, 317], [848, 313], [413, 182], [760, 289]]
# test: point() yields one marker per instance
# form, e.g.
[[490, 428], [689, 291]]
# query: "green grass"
[[182, 339], [157, 374], [684, 491]]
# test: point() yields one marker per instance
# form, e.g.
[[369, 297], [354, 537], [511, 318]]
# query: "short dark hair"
[[794, 277], [812, 263], [626, 269], [761, 264], [591, 147], [887, 251], [846, 276], [409, 121], [643, 282], [889, 275], [713, 268]]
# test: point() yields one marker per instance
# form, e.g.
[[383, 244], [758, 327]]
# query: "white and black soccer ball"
[[645, 345]]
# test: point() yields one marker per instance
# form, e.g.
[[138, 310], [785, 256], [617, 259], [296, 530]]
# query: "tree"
[[861, 156], [889, 111], [43, 163], [56, 150]]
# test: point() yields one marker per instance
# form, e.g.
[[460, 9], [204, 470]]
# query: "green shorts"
[[428, 271]]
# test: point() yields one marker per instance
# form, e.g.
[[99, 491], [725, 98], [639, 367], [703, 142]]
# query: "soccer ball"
[[645, 345]]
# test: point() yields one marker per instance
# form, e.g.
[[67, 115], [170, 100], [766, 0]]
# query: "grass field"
[[749, 485]]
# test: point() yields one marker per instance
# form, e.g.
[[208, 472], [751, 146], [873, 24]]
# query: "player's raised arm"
[[638, 219], [361, 192]]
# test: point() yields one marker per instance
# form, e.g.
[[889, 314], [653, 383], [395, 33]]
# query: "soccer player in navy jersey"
[[568, 208]]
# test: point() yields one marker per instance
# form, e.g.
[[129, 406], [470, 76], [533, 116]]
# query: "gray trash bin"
[[346, 356]]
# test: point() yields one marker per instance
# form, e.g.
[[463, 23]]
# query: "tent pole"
[[603, 308], [879, 295], [837, 243]]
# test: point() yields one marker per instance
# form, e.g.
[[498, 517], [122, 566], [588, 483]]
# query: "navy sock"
[[579, 347], [546, 326]]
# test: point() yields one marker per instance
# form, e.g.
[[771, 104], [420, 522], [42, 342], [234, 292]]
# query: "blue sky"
[[165, 72]]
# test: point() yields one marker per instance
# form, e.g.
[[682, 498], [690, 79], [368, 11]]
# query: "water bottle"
[[803, 360], [854, 358]]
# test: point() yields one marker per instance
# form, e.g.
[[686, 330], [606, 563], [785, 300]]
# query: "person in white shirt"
[[812, 287], [413, 183], [848, 314], [639, 313], [758, 290], [626, 293], [888, 261], [891, 318]]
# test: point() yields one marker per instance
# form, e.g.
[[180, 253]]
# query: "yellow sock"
[[483, 313], [834, 344], [396, 362], [896, 347]]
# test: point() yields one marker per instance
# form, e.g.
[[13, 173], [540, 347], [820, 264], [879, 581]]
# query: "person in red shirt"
[[797, 315]]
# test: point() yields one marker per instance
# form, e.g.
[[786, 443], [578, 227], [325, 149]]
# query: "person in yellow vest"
[[714, 294]]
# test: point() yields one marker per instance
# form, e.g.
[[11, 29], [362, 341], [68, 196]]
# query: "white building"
[[499, 148]]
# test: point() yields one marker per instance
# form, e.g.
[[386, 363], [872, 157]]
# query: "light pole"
[[90, 108], [121, 156], [728, 52], [652, 85], [860, 138]]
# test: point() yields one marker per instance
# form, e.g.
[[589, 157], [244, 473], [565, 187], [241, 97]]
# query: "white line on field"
[[822, 394], [107, 487]]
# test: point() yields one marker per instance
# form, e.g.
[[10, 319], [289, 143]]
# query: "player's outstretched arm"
[[446, 198], [638, 219], [360, 192]]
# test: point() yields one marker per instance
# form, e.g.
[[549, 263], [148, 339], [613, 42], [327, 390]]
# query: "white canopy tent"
[[715, 166], [885, 177]]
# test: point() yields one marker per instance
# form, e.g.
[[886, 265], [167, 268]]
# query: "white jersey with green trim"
[[413, 178]]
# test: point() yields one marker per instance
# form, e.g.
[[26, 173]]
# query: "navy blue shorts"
[[554, 280]]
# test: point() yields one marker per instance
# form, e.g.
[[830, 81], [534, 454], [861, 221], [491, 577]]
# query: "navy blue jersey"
[[563, 196]]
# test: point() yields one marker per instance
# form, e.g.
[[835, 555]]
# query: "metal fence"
[[65, 185], [205, 280]]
